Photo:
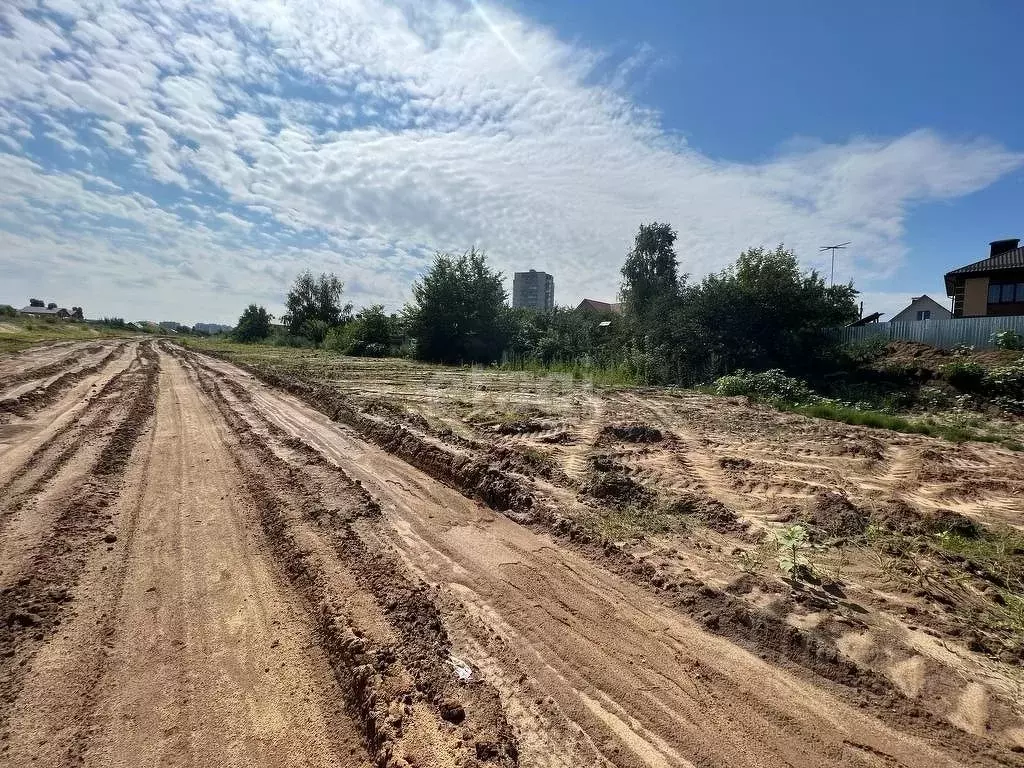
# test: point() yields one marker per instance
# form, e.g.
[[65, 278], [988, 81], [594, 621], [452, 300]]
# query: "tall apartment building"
[[533, 290]]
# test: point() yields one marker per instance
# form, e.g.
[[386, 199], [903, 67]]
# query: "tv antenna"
[[833, 248]]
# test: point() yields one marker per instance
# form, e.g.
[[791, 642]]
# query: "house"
[[51, 311], [992, 286], [599, 307], [923, 308]]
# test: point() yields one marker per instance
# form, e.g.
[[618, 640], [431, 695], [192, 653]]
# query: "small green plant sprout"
[[794, 550]]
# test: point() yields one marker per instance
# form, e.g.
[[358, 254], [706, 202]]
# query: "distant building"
[[53, 311], [211, 328], [533, 290], [599, 307], [923, 308]]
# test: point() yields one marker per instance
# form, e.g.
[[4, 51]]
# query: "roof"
[[1004, 261], [42, 310], [872, 318], [594, 305]]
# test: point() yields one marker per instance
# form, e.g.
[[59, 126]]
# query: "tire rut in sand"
[[400, 683], [41, 397], [36, 598]]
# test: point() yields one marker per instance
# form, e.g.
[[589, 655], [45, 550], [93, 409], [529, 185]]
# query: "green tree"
[[253, 325], [650, 275], [458, 313], [314, 306], [764, 312], [372, 333]]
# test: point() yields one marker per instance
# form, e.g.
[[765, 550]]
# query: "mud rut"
[[197, 569]]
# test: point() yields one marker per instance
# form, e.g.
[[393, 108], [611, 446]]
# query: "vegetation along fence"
[[945, 334]]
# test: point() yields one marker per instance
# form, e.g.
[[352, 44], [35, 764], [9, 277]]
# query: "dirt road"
[[198, 569]]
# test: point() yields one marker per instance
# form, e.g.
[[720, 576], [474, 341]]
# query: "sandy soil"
[[200, 568]]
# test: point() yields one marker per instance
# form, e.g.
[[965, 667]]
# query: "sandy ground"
[[201, 569]]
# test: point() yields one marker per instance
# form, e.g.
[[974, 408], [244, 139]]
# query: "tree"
[[52, 305], [314, 306], [77, 313], [253, 325], [650, 274], [764, 312], [458, 313], [372, 333], [36, 303]]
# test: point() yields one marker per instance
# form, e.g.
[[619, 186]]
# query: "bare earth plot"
[[310, 562]]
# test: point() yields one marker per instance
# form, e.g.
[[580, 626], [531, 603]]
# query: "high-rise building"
[[533, 290]]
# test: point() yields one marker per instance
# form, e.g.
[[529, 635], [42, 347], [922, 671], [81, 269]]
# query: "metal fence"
[[945, 334]]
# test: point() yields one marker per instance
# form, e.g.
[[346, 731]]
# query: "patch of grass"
[[620, 524], [880, 420], [609, 376], [19, 333]]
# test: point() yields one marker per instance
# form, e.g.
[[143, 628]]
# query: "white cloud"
[[243, 140]]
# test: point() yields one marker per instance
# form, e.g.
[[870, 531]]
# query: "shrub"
[[1007, 380], [6, 310], [865, 350], [767, 385], [964, 375], [1008, 339], [962, 349]]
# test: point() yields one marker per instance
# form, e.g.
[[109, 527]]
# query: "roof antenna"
[[833, 248]]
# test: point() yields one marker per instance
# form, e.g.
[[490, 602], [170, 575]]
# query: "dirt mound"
[[948, 521], [709, 511], [632, 433], [835, 515], [521, 427], [899, 516], [617, 488], [734, 463]]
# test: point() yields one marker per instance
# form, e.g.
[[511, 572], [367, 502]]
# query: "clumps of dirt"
[[708, 511], [735, 463], [395, 411], [948, 521], [834, 515], [519, 427], [561, 437], [609, 483], [898, 516], [632, 433]]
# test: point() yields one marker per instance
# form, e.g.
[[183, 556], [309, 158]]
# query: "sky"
[[173, 160]]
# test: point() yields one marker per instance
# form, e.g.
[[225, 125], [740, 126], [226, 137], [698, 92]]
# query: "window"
[[924, 314], [1005, 293]]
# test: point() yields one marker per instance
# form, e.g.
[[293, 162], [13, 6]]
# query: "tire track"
[[34, 601], [411, 698]]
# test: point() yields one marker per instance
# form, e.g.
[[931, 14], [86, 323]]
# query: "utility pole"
[[833, 248]]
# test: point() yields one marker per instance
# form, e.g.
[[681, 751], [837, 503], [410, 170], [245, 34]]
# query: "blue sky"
[[177, 161]]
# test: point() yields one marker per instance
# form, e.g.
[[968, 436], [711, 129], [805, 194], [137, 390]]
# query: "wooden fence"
[[945, 334]]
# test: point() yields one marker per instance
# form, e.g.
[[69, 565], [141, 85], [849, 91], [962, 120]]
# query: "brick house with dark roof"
[[992, 286]]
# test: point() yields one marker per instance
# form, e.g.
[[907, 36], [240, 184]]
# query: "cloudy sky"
[[166, 159]]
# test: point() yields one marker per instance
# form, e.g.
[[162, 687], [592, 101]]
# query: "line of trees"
[[762, 311]]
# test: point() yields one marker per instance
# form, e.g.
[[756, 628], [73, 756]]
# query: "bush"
[[6, 310], [865, 350], [1007, 380], [964, 375], [767, 385], [1008, 339]]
